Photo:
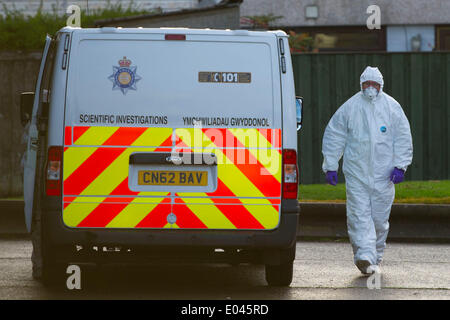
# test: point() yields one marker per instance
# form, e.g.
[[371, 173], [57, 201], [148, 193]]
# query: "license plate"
[[172, 178]]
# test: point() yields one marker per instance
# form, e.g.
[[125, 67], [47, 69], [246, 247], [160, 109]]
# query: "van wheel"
[[280, 275], [53, 273]]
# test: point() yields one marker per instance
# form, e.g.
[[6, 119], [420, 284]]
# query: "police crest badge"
[[124, 76]]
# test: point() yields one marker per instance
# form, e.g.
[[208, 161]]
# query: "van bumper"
[[282, 237]]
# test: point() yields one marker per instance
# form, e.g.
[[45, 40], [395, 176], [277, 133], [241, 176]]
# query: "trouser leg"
[[361, 229], [382, 200]]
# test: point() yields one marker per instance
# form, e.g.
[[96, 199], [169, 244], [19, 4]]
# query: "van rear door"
[[30, 159], [172, 131]]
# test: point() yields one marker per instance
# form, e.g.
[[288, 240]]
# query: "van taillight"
[[290, 174], [53, 181]]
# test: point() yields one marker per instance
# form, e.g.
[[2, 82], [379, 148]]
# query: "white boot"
[[373, 269]]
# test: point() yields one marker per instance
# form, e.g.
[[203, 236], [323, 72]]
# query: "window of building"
[[345, 39], [443, 38]]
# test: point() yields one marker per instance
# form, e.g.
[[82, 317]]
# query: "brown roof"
[[221, 5]]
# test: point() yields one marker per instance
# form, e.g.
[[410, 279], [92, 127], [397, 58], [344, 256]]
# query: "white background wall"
[[399, 37]]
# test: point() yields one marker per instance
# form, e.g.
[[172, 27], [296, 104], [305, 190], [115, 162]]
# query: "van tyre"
[[53, 273], [280, 275]]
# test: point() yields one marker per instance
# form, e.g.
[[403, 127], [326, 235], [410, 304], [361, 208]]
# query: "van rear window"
[[171, 83]]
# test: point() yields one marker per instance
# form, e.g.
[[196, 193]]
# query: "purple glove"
[[397, 175], [332, 177]]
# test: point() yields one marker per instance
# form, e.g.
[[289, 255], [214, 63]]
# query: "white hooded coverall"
[[374, 136]]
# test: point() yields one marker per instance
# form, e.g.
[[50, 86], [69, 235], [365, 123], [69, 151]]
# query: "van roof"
[[217, 32]]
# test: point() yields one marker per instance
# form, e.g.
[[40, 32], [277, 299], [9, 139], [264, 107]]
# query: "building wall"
[[350, 12], [18, 74], [29, 7]]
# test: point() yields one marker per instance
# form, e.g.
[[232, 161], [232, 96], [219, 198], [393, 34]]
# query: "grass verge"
[[429, 192]]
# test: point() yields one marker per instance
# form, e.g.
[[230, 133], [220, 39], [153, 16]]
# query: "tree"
[[301, 42], [262, 21]]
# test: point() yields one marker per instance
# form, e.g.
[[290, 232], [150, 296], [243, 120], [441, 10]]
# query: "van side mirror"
[[299, 111], [26, 107]]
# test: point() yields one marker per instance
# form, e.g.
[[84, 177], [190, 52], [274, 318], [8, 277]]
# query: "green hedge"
[[27, 33]]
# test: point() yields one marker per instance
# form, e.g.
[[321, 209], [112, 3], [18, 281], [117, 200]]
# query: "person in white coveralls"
[[373, 134]]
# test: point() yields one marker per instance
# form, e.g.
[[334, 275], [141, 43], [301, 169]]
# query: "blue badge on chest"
[[383, 129]]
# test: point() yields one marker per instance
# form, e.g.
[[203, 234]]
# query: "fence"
[[18, 73], [420, 82]]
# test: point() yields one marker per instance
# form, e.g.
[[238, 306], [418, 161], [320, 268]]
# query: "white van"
[[163, 144]]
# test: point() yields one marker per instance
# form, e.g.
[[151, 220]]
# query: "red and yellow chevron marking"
[[96, 166], [240, 175]]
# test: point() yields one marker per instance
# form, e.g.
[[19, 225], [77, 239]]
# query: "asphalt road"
[[323, 270]]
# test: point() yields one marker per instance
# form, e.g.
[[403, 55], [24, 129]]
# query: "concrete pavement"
[[323, 270]]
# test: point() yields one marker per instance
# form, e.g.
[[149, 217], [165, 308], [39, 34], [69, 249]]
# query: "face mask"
[[370, 93]]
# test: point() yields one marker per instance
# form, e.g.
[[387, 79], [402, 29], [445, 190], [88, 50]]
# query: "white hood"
[[372, 74]]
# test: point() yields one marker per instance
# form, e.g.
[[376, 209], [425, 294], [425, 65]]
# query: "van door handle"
[[34, 142]]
